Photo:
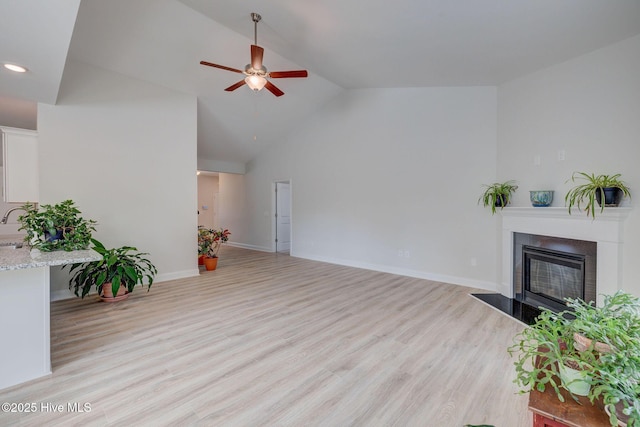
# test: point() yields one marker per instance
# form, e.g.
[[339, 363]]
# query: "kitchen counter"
[[16, 259], [25, 305], [11, 239]]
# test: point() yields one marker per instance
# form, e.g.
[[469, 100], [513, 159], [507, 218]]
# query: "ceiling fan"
[[256, 73]]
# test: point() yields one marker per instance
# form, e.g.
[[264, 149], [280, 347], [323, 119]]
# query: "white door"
[[283, 217]]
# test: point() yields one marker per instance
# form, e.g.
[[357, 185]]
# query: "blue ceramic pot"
[[541, 198]]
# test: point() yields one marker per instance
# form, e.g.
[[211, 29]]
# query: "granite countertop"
[[16, 259], [11, 239]]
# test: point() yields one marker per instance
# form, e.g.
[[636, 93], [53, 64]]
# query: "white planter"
[[577, 382]]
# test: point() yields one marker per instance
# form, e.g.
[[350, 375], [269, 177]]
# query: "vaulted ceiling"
[[345, 44]]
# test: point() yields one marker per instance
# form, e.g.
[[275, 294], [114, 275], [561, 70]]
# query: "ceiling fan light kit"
[[256, 74], [255, 82]]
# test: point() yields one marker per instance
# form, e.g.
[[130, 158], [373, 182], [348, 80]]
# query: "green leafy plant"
[[615, 323], [210, 241], [56, 227], [613, 374], [205, 240], [619, 386], [592, 188], [122, 266], [497, 194], [542, 348]]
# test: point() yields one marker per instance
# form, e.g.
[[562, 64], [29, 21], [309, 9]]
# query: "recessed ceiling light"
[[16, 68]]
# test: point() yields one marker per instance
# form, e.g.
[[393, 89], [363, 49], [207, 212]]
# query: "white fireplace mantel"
[[606, 230]]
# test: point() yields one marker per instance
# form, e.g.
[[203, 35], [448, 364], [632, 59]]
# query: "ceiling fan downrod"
[[255, 17]]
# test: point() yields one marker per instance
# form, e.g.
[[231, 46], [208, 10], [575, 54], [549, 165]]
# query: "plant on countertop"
[[593, 190], [210, 241], [122, 266], [497, 194], [56, 227]]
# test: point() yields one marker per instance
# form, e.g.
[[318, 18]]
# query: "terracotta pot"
[[107, 294], [201, 260], [582, 343], [210, 263]]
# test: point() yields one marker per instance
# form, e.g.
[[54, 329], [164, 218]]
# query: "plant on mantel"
[[498, 194], [595, 191]]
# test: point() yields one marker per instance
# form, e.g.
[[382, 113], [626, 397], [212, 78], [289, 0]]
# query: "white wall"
[[125, 151], [379, 171], [588, 107], [234, 207]]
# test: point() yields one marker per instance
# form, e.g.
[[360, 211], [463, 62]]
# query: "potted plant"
[[603, 342], [613, 325], [619, 387], [498, 194], [115, 275], [595, 189], [546, 357], [204, 236], [209, 243], [56, 227], [615, 328]]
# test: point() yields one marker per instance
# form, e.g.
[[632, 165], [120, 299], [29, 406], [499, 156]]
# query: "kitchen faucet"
[[5, 218]]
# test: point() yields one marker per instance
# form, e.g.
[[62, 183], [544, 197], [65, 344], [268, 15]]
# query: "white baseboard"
[[62, 294], [454, 280], [164, 277], [66, 293], [252, 247]]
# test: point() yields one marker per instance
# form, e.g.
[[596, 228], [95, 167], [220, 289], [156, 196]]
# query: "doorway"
[[208, 199], [282, 219]]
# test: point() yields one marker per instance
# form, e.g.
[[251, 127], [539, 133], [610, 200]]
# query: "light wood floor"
[[271, 340]]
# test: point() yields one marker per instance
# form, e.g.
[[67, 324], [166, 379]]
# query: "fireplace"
[[582, 254], [548, 269], [551, 276], [606, 232]]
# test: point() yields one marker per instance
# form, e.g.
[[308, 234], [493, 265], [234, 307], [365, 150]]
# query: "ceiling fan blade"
[[222, 67], [273, 89], [256, 57], [235, 86], [286, 74]]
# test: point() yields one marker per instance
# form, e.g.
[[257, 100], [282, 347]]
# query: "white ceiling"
[[345, 44]]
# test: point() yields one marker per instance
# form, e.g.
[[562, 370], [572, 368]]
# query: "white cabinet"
[[20, 164]]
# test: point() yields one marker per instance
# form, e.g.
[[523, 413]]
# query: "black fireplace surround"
[[548, 269]]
